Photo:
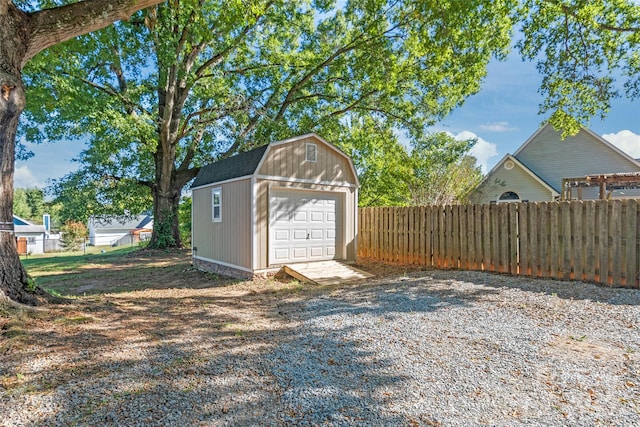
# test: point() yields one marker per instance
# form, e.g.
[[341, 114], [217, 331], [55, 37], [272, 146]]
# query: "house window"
[[312, 152], [216, 204], [508, 196], [31, 240]]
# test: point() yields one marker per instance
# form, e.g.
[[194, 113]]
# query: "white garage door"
[[303, 227]]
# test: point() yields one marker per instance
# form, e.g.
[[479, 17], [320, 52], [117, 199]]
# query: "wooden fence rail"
[[596, 241]]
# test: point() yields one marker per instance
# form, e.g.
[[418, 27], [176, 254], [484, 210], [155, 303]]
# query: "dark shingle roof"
[[242, 164]]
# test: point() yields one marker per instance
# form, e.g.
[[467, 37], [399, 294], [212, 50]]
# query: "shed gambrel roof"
[[247, 164]]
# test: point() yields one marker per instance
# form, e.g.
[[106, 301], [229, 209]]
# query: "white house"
[[114, 231], [30, 236]]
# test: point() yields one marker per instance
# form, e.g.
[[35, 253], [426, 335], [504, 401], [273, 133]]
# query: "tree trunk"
[[166, 231], [14, 281]]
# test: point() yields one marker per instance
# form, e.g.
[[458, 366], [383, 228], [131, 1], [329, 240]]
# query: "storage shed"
[[287, 202]]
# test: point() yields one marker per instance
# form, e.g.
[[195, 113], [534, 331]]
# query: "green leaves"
[[581, 47]]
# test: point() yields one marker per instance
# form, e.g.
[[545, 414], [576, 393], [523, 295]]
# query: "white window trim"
[[217, 190]]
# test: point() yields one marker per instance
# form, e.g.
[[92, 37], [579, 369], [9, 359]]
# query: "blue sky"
[[502, 116]]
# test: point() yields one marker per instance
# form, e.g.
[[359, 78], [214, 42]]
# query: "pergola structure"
[[606, 182]]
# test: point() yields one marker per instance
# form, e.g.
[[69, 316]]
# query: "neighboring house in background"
[[114, 231], [290, 201], [535, 171], [32, 234]]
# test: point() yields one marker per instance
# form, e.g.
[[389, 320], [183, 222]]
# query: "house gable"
[[510, 175], [586, 153]]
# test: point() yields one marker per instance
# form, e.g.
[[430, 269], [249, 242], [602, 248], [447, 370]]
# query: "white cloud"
[[482, 150], [24, 178], [625, 140], [497, 127]]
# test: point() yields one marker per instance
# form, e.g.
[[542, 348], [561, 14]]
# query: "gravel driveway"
[[427, 348]]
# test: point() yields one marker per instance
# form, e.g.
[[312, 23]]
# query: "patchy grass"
[[117, 270], [64, 262]]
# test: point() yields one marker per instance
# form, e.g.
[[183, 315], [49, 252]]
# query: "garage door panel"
[[317, 251], [300, 253], [300, 234], [300, 216], [316, 234], [282, 234], [281, 254], [302, 228]]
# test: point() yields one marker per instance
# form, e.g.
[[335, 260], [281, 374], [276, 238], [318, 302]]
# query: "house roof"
[[247, 163], [586, 130], [242, 164], [21, 225], [117, 223]]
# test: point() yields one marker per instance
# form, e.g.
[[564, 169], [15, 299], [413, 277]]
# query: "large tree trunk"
[[166, 231], [21, 37], [14, 282]]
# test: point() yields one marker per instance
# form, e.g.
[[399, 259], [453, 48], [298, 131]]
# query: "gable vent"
[[312, 152]]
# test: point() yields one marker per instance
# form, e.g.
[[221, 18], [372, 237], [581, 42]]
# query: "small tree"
[[443, 171], [73, 235]]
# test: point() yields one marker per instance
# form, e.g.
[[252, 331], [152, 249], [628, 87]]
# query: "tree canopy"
[[189, 82], [588, 53]]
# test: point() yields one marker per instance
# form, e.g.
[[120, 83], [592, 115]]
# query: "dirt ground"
[[158, 293]]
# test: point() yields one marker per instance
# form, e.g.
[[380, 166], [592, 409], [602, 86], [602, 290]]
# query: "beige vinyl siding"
[[553, 159], [289, 160], [517, 180], [228, 241], [347, 248]]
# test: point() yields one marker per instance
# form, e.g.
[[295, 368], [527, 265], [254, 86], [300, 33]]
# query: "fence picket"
[[589, 231], [565, 247], [524, 259], [513, 238], [631, 235], [616, 243], [602, 217], [579, 249]]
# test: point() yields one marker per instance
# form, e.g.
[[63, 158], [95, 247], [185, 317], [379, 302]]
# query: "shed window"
[[312, 152], [216, 204], [31, 240]]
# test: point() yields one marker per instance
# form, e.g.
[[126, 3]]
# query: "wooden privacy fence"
[[596, 241]]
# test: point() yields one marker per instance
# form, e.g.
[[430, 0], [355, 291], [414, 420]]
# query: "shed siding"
[[346, 249], [516, 180], [553, 159], [289, 160], [228, 241]]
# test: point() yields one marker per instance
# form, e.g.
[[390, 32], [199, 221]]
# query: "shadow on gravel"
[[565, 289]]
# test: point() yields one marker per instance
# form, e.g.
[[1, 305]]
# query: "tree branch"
[[49, 27]]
